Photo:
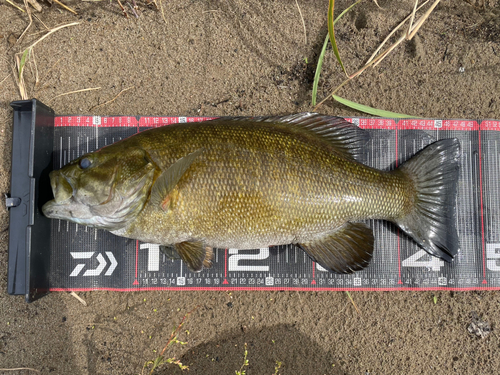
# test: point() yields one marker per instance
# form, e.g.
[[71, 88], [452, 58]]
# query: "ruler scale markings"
[[377, 276], [60, 153]]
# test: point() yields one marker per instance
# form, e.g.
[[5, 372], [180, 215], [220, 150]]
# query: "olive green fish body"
[[254, 182], [257, 185]]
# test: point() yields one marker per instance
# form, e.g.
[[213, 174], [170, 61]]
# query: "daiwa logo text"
[[101, 266]]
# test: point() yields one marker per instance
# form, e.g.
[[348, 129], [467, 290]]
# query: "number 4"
[[416, 261]]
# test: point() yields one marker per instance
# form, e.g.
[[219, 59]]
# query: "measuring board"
[[84, 258]]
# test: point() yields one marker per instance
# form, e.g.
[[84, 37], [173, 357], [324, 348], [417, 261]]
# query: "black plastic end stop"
[[29, 244]]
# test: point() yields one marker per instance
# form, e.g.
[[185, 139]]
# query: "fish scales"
[[253, 182], [256, 185]]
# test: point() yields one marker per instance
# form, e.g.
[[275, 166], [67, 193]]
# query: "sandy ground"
[[236, 57]]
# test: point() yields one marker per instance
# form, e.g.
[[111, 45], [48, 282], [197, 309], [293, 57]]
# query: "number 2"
[[235, 257]]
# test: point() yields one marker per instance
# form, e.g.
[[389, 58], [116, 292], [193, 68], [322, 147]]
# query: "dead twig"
[[122, 8]]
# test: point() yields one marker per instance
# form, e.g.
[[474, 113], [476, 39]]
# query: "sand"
[[235, 57]]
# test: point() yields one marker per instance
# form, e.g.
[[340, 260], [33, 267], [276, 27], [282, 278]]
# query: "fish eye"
[[85, 163]]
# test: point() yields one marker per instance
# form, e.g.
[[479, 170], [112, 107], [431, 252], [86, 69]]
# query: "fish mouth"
[[63, 204], [49, 209], [61, 187], [69, 210]]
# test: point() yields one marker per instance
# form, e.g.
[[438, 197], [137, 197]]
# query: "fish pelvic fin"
[[169, 252], [166, 182], [348, 249], [195, 255], [430, 221]]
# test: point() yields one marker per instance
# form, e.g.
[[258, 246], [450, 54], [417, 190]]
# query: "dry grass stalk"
[[35, 5], [50, 70], [410, 33], [25, 55], [15, 6], [19, 369], [413, 30], [80, 299], [133, 9], [31, 20], [39, 20], [303, 23], [64, 6], [75, 92], [52, 31], [112, 100], [20, 77], [162, 14], [3, 80], [392, 33]]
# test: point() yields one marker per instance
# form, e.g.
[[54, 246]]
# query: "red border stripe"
[[177, 288]]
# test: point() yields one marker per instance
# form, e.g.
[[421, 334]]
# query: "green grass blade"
[[322, 56], [370, 110], [23, 61], [318, 70], [331, 8]]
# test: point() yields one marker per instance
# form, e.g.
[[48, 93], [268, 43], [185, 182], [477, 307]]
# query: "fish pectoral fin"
[[195, 255], [167, 181], [346, 250], [169, 252]]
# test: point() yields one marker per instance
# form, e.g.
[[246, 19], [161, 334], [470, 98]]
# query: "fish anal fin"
[[195, 254], [348, 249], [164, 185]]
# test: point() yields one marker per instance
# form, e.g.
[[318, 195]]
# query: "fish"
[[253, 182]]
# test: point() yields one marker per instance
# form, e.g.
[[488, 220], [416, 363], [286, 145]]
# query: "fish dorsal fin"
[[167, 181], [346, 250], [195, 255], [345, 138]]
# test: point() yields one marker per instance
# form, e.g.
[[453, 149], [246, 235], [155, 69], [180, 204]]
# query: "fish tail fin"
[[431, 219]]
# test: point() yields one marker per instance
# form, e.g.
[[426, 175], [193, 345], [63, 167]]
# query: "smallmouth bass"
[[255, 182]]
